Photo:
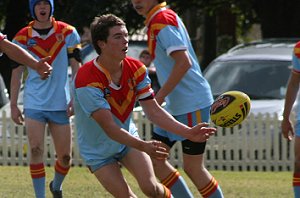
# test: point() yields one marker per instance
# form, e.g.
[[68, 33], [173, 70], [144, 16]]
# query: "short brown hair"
[[100, 28], [145, 51]]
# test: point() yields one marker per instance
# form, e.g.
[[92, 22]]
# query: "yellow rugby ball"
[[230, 109]]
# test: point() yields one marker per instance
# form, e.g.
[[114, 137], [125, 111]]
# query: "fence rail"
[[255, 145]]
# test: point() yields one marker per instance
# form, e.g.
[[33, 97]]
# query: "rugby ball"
[[230, 109]]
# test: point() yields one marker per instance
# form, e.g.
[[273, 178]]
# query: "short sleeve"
[[170, 39], [91, 99]]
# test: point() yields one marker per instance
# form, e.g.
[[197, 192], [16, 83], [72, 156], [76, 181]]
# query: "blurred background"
[[214, 26]]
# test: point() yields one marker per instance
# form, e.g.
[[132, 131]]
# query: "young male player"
[[186, 92], [288, 130], [106, 90], [47, 102]]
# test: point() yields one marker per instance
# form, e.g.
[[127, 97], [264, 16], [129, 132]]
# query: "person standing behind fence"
[[288, 130], [47, 102], [146, 58], [20, 55], [186, 92], [106, 90]]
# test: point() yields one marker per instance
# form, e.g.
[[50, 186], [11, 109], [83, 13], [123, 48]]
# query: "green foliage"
[[81, 13]]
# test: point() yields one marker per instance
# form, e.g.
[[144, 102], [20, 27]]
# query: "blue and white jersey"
[[166, 34]]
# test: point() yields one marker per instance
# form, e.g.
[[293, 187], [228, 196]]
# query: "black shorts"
[[188, 147]]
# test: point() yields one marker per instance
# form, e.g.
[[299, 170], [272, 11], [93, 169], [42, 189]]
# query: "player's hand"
[[43, 68], [201, 132], [155, 150], [287, 129], [16, 115], [70, 108]]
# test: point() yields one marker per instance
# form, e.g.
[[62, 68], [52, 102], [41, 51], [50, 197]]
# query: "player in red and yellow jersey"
[[105, 91], [47, 102]]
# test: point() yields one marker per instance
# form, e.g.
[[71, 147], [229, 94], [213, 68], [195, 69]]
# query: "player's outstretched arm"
[[153, 148], [21, 56], [160, 117]]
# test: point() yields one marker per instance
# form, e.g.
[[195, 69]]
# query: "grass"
[[15, 182]]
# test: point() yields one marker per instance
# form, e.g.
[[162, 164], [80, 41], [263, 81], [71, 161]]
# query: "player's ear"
[[101, 44]]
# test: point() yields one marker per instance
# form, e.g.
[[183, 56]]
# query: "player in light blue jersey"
[[288, 130], [106, 90], [47, 102], [186, 92]]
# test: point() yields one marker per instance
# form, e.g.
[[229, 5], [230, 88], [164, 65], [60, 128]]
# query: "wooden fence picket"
[[254, 145]]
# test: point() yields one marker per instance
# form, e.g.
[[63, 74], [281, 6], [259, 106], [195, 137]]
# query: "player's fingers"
[[161, 155], [203, 124], [45, 59]]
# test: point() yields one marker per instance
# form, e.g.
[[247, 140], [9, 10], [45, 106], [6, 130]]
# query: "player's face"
[[116, 45], [142, 7], [146, 59], [42, 11]]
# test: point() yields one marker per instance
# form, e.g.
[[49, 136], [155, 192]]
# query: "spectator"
[[146, 58]]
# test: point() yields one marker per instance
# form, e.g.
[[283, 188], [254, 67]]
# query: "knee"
[[37, 151], [65, 160], [150, 189], [297, 165], [158, 163], [189, 168]]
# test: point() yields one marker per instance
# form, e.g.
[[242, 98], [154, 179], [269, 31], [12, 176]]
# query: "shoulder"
[[21, 34], [84, 74], [297, 50], [64, 25], [166, 17]]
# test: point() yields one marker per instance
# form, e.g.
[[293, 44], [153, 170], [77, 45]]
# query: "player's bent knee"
[[150, 189]]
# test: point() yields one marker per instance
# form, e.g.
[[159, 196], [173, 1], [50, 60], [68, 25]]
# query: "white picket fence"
[[255, 145]]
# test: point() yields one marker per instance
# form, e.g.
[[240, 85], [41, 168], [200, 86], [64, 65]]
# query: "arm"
[[104, 118], [160, 117], [181, 66], [291, 94], [75, 66], [15, 85], [20, 55]]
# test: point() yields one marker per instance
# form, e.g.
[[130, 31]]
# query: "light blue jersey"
[[167, 34], [53, 93], [93, 91]]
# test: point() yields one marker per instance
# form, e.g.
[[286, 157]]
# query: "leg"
[[62, 139], [111, 178], [202, 179], [35, 132], [296, 176], [168, 175], [144, 173]]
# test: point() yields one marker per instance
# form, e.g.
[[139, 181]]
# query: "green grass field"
[[15, 182]]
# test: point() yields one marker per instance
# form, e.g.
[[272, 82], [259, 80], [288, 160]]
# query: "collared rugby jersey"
[[51, 94], [166, 34], [93, 90]]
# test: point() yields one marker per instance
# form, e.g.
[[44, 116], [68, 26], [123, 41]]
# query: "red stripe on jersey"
[[297, 49], [162, 18]]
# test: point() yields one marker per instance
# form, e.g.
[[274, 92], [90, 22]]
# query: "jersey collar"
[[154, 11]]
